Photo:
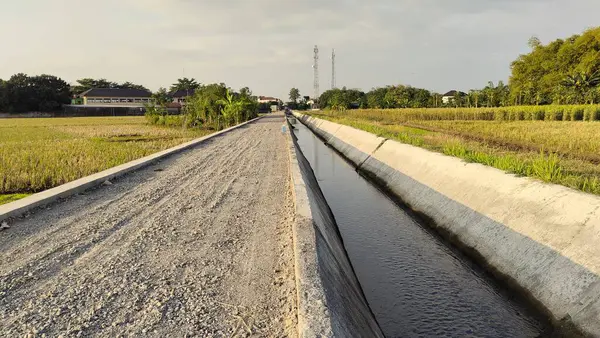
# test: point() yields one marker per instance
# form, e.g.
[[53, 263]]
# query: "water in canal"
[[416, 285]]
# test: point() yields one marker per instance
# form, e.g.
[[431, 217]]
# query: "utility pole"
[[316, 75], [333, 85]]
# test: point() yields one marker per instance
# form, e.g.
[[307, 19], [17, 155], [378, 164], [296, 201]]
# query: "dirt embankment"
[[198, 245]]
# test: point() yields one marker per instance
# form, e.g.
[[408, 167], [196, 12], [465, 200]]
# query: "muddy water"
[[416, 285]]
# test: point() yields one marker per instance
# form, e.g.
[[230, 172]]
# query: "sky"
[[267, 45]]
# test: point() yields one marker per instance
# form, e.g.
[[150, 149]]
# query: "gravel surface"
[[197, 245]]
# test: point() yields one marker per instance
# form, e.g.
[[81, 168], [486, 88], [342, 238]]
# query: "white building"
[[267, 99], [115, 97], [449, 96]]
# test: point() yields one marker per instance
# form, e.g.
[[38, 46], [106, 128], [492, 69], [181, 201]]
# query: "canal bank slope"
[[540, 237]]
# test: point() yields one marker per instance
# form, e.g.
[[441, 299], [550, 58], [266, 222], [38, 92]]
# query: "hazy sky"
[[268, 44]]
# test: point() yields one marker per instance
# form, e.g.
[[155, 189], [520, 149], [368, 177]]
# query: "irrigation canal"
[[416, 284]]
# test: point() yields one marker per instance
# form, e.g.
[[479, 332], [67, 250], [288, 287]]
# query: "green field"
[[562, 151], [37, 154]]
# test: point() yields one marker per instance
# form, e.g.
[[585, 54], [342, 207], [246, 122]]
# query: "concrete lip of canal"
[[416, 284]]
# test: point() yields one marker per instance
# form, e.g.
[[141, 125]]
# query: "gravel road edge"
[[20, 207]]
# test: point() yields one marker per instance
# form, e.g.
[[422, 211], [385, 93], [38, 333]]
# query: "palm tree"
[[582, 83], [502, 92], [474, 97], [489, 91], [184, 84]]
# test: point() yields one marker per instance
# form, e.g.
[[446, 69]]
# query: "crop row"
[[514, 113]]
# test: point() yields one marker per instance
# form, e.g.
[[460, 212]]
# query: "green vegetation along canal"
[[416, 284]]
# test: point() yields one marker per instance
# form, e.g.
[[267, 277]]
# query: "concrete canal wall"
[[543, 238]]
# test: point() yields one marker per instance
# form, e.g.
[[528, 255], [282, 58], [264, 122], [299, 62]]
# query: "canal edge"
[[319, 315], [580, 321]]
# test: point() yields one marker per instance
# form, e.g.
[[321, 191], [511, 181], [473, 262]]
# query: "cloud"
[[267, 44]]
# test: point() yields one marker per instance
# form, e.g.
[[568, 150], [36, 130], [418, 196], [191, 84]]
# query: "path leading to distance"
[[198, 245]]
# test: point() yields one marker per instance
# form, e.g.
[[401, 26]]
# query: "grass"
[[11, 198], [561, 152], [37, 154]]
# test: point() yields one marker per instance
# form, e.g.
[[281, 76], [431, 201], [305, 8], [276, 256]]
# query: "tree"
[[3, 96], [542, 76], [398, 97], [502, 94], [436, 100], [458, 99], [23, 93], [245, 92], [204, 107], [19, 93], [421, 98], [534, 42], [88, 83], [342, 99], [473, 97], [584, 85], [130, 85], [376, 98], [161, 97], [294, 95], [184, 84], [489, 93], [231, 109], [50, 92]]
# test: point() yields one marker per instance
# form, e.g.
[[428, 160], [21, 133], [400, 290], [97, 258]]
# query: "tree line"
[[47, 93], [402, 96], [565, 71], [213, 106], [561, 72], [42, 93]]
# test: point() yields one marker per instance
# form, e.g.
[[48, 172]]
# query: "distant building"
[[113, 97], [267, 99], [181, 96], [449, 96]]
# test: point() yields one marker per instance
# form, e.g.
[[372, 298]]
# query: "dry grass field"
[[37, 154]]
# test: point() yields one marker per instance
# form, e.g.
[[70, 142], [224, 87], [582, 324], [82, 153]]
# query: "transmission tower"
[[333, 85], [316, 74]]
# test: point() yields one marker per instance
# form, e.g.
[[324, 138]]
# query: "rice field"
[[564, 151], [515, 113], [37, 154]]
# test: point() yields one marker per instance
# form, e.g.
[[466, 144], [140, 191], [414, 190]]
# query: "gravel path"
[[197, 245]]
